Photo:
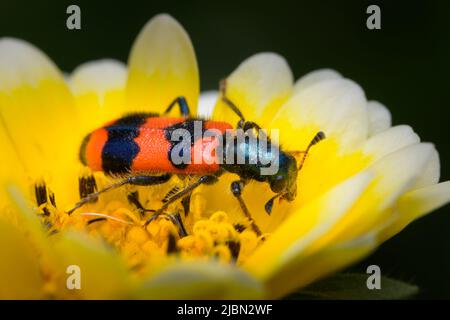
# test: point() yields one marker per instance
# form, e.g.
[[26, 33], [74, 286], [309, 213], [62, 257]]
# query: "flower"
[[358, 188]]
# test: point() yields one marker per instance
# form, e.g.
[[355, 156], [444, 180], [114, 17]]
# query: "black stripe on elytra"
[[188, 125], [120, 149]]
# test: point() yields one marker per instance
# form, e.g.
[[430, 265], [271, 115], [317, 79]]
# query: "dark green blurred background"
[[405, 65]]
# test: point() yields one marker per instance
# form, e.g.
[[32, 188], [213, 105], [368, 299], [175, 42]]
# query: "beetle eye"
[[278, 184]]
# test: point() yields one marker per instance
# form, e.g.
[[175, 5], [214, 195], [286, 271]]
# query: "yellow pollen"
[[144, 249]]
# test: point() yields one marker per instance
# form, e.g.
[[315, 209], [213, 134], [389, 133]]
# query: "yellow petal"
[[103, 274], [201, 280], [395, 175], [162, 66], [257, 87], [20, 276], [390, 140], [35, 103], [305, 231], [314, 77], [416, 204], [338, 107], [379, 117], [23, 217], [20, 214], [37, 112], [395, 138], [99, 91], [325, 262], [11, 170]]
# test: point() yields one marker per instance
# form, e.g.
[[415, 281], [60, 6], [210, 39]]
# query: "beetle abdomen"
[[142, 143]]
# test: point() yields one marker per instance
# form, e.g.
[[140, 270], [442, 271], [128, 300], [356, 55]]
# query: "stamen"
[[95, 214], [239, 227], [53, 232], [86, 186], [171, 244], [40, 192], [52, 199], [176, 219], [47, 225], [95, 220], [120, 224], [133, 198], [235, 248]]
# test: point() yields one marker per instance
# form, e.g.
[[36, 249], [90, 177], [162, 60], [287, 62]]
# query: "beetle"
[[139, 148]]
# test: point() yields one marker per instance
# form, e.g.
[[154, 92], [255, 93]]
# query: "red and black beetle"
[[139, 148]]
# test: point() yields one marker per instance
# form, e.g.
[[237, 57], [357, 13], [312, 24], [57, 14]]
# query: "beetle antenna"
[[229, 103], [317, 138]]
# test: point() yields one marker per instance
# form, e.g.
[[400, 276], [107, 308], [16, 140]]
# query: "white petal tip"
[[314, 77]]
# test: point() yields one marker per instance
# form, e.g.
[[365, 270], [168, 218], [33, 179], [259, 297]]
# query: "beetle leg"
[[269, 204], [236, 188], [177, 221], [185, 201], [182, 103], [133, 198], [171, 192], [207, 179], [133, 180]]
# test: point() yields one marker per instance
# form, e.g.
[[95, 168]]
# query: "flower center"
[[118, 217]]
